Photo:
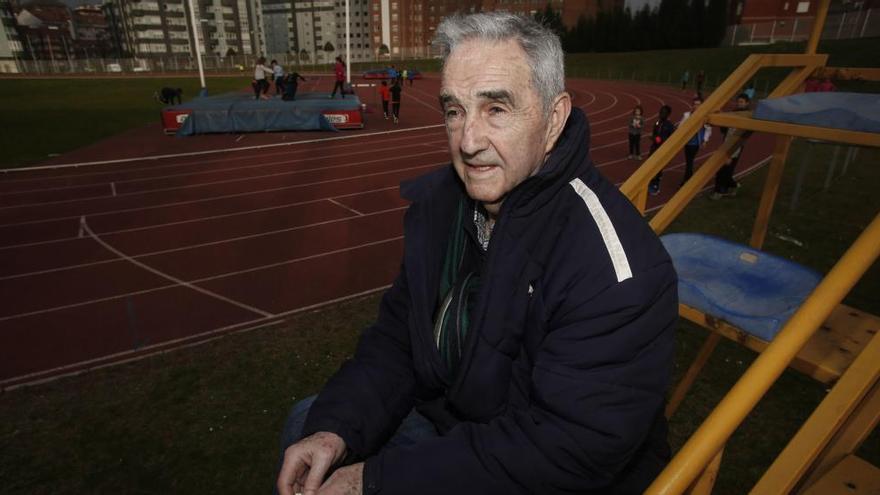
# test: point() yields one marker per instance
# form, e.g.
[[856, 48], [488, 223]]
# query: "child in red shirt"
[[386, 96]]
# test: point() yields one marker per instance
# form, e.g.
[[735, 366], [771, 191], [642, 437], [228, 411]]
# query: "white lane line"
[[200, 280], [218, 182], [337, 203], [738, 175], [82, 222], [113, 188], [422, 102], [171, 278], [211, 152], [189, 247], [239, 138], [200, 219], [205, 163], [200, 338], [235, 195], [219, 170]]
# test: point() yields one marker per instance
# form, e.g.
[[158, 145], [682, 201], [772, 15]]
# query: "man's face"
[[742, 104], [498, 134]]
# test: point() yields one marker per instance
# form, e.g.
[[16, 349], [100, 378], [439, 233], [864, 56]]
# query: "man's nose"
[[473, 139]]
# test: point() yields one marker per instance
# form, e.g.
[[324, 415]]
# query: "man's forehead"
[[485, 69]]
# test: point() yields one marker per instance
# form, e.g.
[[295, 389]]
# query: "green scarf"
[[459, 284]]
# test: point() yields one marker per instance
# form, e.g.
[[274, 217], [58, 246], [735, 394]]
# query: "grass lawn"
[[42, 117], [206, 419]]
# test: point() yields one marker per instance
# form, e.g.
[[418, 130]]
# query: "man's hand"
[[345, 481], [306, 463]]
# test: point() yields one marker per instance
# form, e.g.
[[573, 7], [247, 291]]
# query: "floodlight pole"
[[347, 41], [198, 48]]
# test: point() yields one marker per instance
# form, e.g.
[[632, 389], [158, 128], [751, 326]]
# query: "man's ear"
[[559, 112]]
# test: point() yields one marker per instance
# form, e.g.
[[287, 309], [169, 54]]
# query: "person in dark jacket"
[[291, 84], [725, 184], [699, 140], [526, 345], [663, 128]]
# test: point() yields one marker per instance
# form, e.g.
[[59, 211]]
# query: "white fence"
[[846, 25]]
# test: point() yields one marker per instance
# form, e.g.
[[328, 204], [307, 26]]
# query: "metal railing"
[[845, 25]]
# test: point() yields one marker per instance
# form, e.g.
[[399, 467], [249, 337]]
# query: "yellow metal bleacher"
[[831, 342]]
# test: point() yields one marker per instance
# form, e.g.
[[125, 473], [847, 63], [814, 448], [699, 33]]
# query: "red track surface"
[[107, 262]]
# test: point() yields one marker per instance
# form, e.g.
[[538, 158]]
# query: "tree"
[[715, 26], [230, 52], [303, 55], [672, 22], [552, 19], [383, 50], [696, 24]]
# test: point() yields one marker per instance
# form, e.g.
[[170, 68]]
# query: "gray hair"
[[541, 45]]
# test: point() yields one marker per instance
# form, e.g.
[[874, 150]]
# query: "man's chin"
[[483, 196]]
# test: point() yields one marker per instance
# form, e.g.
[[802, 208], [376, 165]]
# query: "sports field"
[[104, 260]]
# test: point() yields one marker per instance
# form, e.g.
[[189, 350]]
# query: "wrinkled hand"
[[345, 481], [306, 463]]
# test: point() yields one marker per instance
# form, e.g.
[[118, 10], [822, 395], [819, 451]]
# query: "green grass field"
[[207, 418], [43, 117]]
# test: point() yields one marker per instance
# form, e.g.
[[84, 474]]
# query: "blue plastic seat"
[[750, 289]]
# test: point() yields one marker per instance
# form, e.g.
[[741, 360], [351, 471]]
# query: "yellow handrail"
[[727, 416], [804, 65]]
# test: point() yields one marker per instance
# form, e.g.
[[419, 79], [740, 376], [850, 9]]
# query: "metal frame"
[[842, 421]]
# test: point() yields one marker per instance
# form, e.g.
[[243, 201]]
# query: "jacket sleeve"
[[598, 384], [365, 401]]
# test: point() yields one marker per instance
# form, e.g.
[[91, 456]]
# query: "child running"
[[636, 122], [663, 128], [385, 94], [395, 100], [260, 84]]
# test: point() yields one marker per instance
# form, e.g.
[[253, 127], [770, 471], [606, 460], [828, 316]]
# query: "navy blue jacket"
[[562, 379]]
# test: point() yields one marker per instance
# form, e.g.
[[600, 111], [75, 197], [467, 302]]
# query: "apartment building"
[[147, 28], [10, 43], [314, 30]]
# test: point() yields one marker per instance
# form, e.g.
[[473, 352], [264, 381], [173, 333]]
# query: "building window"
[[803, 7]]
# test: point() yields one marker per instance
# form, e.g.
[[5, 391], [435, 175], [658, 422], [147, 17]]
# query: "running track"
[[107, 262]]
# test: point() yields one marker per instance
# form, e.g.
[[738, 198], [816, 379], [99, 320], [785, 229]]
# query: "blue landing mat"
[[240, 112], [848, 111], [750, 289]]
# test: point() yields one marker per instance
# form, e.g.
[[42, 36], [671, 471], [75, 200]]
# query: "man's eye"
[[451, 112], [496, 110]]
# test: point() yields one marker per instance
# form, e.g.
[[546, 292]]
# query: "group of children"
[[392, 95], [725, 184], [285, 84]]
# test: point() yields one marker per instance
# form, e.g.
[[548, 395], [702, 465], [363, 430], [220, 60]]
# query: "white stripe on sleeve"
[[606, 228]]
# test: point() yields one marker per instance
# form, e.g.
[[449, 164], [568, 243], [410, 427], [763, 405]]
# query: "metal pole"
[[793, 29], [840, 26], [711, 436], [195, 34], [348, 41], [818, 24]]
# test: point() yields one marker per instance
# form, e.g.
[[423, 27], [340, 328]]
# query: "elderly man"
[[526, 345]]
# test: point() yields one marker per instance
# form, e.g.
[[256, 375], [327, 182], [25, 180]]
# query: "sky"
[[637, 4]]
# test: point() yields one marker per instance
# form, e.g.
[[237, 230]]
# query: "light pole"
[[347, 42], [195, 27]]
